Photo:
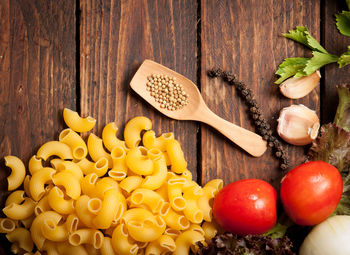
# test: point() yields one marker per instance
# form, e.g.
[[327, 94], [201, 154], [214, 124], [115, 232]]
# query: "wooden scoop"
[[196, 109]]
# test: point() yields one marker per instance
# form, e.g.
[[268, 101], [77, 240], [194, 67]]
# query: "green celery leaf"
[[297, 35], [348, 3], [332, 146], [342, 117], [302, 35], [343, 22], [313, 43], [290, 67], [318, 60], [344, 59]]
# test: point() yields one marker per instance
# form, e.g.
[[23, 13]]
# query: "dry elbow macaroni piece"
[[96, 150], [18, 172], [110, 139], [54, 148], [77, 123], [138, 161], [34, 164], [75, 142], [132, 131], [122, 202]]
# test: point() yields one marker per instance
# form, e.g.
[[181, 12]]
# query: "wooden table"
[[83, 54]]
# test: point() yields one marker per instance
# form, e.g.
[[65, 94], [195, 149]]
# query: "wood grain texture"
[[37, 70], [335, 43], [245, 37], [116, 36]]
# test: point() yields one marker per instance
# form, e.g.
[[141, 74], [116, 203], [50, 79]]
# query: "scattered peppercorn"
[[261, 125], [165, 91]]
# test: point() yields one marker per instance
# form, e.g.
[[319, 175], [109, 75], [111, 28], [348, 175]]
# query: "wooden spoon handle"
[[247, 140]]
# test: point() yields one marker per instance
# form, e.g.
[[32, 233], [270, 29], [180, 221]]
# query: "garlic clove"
[[295, 88], [298, 125]]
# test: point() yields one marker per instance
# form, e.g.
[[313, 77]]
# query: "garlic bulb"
[[298, 125], [299, 87]]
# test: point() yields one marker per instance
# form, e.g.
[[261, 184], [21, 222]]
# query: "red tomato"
[[246, 207], [311, 192]]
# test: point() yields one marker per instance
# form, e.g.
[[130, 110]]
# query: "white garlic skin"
[[298, 125]]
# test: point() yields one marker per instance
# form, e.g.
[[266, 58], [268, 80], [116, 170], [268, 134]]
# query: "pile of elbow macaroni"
[[131, 199]]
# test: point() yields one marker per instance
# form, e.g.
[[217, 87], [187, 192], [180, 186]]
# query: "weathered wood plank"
[[245, 37], [116, 36], [37, 70], [335, 43]]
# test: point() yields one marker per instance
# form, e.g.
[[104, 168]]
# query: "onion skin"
[[331, 237]]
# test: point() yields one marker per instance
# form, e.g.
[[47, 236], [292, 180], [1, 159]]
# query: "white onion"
[[331, 237]]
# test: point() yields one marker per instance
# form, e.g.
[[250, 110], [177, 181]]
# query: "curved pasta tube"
[[20, 211], [16, 197], [94, 205], [196, 227], [103, 185], [35, 229], [185, 240], [147, 197], [65, 248], [109, 138], [160, 246], [75, 142], [18, 172], [81, 208], [109, 208], [131, 183], [100, 167], [50, 248], [209, 230], [72, 223], [136, 214], [107, 248], [34, 164], [96, 150], [54, 232], [70, 167], [54, 148], [120, 169], [216, 183], [86, 236], [173, 219], [192, 211], [26, 185], [86, 165], [148, 230], [22, 237], [175, 188], [71, 185], [163, 191], [91, 250], [88, 184], [204, 202], [27, 222], [7, 225], [138, 162], [42, 206], [132, 131], [58, 203], [176, 156], [121, 243], [77, 123], [150, 141], [173, 233], [158, 176]]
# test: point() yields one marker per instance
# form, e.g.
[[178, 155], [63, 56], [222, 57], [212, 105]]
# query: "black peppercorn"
[[262, 127]]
